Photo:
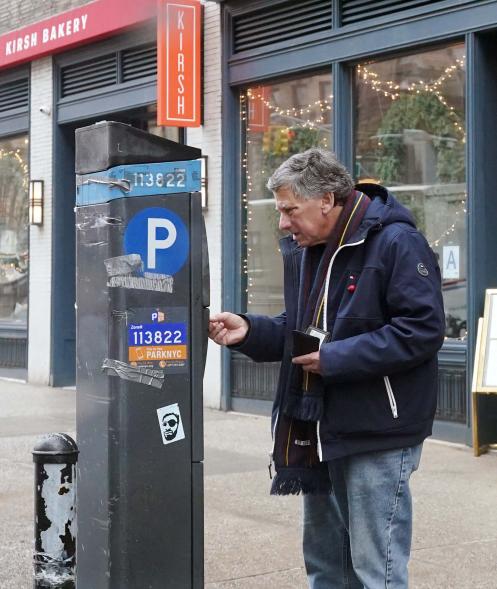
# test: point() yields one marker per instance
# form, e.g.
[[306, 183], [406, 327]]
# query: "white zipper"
[[325, 325], [325, 321], [271, 454], [327, 281], [274, 429], [391, 397], [319, 449]]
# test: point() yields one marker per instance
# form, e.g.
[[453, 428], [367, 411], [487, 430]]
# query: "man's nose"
[[284, 223]]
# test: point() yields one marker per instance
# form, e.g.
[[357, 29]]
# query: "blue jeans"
[[360, 536]]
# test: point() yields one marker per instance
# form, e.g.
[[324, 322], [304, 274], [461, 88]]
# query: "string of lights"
[[451, 229], [393, 90], [316, 116], [16, 155], [317, 113], [324, 105], [245, 201], [388, 88]]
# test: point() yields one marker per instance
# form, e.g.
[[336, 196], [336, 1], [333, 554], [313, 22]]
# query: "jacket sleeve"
[[265, 339], [416, 326]]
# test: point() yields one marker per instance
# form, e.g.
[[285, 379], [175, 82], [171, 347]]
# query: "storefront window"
[[279, 120], [14, 230], [410, 137]]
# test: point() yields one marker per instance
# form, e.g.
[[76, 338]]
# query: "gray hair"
[[311, 174]]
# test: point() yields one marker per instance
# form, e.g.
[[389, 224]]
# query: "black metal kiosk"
[[142, 298]]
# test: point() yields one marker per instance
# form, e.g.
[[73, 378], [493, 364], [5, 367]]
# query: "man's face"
[[170, 423], [309, 221]]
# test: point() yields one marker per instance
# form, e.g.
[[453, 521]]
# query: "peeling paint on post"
[[54, 560]]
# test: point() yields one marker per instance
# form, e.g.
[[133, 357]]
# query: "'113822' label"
[[162, 344]]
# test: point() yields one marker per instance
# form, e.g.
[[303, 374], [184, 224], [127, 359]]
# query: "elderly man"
[[355, 403]]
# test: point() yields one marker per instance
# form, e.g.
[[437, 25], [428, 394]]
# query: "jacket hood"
[[384, 209]]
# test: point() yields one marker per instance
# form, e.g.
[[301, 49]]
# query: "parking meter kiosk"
[[142, 298]]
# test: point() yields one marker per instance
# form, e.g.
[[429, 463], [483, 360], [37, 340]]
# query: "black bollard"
[[55, 457]]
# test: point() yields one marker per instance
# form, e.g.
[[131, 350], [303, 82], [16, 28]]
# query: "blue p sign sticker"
[[161, 239]]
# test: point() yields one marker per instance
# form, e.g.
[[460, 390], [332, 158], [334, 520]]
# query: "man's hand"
[[309, 362], [227, 329]]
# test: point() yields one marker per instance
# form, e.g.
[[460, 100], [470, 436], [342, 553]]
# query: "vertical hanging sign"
[[178, 63], [258, 108]]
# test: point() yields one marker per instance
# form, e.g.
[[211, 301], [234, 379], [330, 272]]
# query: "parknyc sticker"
[[158, 338]]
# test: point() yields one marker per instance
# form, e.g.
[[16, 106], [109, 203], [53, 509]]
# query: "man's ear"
[[327, 202]]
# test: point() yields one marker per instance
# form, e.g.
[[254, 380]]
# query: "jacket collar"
[[372, 220], [289, 246]]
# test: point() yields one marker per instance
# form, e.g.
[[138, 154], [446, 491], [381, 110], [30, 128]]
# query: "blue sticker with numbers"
[[158, 338], [161, 239], [138, 180], [151, 334]]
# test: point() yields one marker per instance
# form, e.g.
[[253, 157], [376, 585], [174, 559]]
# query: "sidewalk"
[[252, 540]]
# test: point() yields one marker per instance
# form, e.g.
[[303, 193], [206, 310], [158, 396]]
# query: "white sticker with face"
[[170, 423]]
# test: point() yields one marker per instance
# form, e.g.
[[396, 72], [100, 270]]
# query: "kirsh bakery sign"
[[63, 30], [89, 22]]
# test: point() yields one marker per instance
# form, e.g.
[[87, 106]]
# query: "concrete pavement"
[[253, 540]]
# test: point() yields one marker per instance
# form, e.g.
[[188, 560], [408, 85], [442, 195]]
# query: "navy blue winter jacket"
[[380, 368]]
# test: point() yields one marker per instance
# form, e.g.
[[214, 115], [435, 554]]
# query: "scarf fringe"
[[305, 407], [294, 481]]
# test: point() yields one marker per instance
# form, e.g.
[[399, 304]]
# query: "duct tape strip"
[[87, 220], [153, 378], [121, 183], [126, 272], [156, 282], [123, 265], [53, 576]]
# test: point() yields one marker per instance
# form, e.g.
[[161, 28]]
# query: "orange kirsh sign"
[[178, 62]]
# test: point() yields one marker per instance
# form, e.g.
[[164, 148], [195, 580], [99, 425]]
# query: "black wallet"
[[303, 343]]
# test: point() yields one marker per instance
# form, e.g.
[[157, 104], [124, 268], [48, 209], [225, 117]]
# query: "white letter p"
[[155, 244]]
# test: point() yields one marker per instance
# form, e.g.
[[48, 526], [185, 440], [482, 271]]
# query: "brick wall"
[[15, 14], [40, 246], [208, 138]]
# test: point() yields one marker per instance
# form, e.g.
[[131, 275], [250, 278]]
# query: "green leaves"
[[411, 120]]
